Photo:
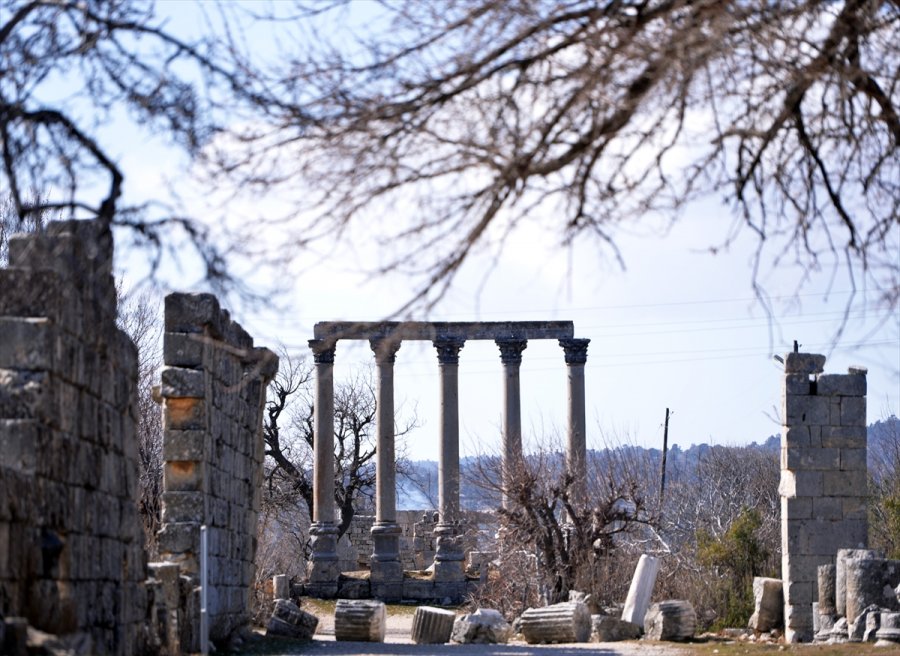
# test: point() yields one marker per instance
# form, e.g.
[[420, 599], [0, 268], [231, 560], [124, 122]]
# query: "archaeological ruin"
[[448, 580]]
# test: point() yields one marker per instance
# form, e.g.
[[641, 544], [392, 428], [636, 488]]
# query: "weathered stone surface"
[[840, 590], [768, 600], [559, 623], [359, 620], [856, 629], [889, 629], [281, 586], [605, 628], [432, 625], [804, 363], [290, 621], [641, 589], [484, 626], [827, 582], [670, 620], [871, 582]]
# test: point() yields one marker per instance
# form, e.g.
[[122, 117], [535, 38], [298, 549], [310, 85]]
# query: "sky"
[[678, 328]]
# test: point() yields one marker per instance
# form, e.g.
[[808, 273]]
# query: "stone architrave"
[[432, 626], [323, 567], [385, 567], [569, 621], [641, 589], [768, 600], [511, 357], [576, 456], [360, 620], [449, 556], [670, 620]]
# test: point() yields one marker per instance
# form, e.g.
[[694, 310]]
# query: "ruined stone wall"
[[823, 478], [71, 544], [213, 395]]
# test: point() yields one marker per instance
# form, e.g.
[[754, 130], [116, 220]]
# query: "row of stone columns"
[[386, 575]]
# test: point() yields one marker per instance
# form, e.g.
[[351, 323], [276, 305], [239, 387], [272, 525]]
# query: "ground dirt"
[[399, 626]]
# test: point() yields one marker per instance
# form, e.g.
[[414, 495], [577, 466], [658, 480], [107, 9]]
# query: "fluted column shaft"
[[576, 454], [511, 357]]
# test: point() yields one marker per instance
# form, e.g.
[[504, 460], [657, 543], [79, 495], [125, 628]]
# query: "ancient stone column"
[[360, 620], [576, 455], [566, 622], [323, 566], [448, 557], [386, 570], [511, 357], [432, 626], [641, 589]]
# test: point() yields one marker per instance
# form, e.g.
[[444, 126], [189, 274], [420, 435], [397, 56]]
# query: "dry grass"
[[734, 649]]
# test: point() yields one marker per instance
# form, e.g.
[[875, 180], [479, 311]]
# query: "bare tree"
[[68, 68], [139, 317], [569, 537], [289, 435], [472, 117]]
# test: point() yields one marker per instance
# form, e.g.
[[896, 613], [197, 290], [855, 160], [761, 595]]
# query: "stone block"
[[797, 507], [795, 436], [844, 483], [27, 343], [801, 483], [359, 620], [796, 384], [559, 623], [842, 385], [670, 620], [800, 593], [184, 445], [843, 556], [853, 459], [804, 363], [183, 476], [605, 628], [853, 411], [768, 601], [828, 508], [810, 458], [290, 621], [184, 414], [191, 313], [19, 445], [826, 590], [844, 437], [26, 395], [806, 410], [183, 507], [854, 508], [184, 349], [179, 382], [484, 626]]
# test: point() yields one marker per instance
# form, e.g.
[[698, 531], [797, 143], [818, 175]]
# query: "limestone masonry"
[[823, 479]]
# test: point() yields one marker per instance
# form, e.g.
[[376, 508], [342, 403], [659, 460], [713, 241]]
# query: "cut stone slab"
[[432, 626], [566, 622], [768, 600], [674, 619], [360, 620], [641, 589], [484, 626], [290, 621], [611, 629]]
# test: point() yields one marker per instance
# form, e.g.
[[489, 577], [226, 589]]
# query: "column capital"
[[323, 350], [385, 349], [448, 349], [575, 349], [511, 350]]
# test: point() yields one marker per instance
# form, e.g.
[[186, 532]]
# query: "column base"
[[323, 569], [385, 568], [449, 555]]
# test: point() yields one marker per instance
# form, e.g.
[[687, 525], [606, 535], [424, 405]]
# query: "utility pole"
[[662, 485]]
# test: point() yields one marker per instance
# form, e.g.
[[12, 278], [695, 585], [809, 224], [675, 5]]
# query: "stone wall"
[[823, 478], [213, 395], [71, 544]]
